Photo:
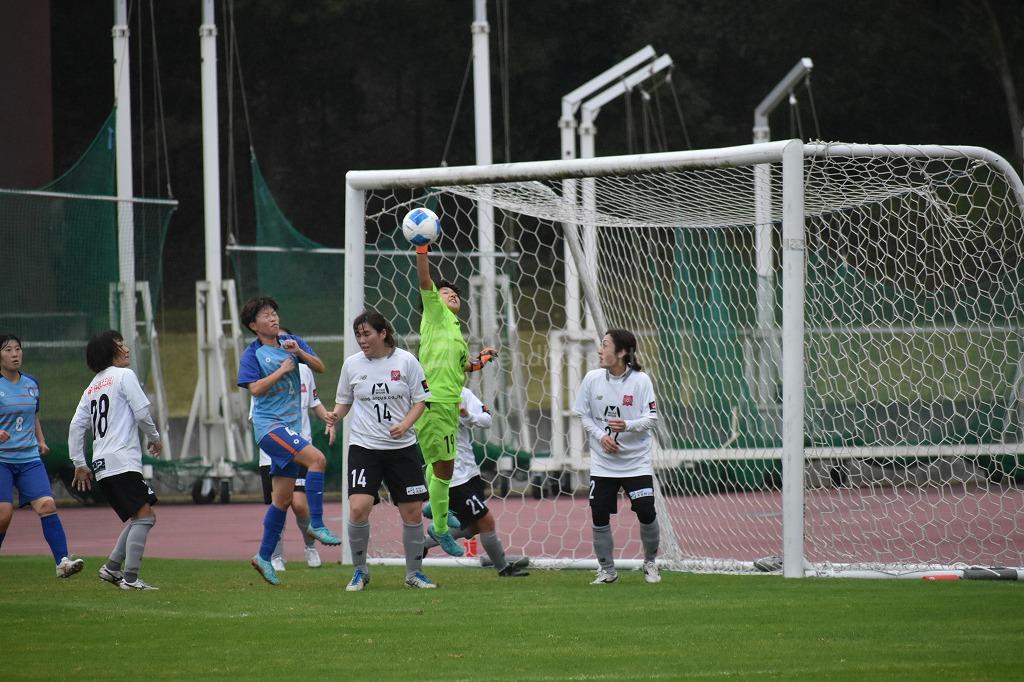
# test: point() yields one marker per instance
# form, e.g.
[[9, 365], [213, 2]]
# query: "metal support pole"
[[125, 190]]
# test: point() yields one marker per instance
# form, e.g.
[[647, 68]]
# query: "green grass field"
[[218, 619]]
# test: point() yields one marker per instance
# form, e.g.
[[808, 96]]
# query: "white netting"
[[914, 351]]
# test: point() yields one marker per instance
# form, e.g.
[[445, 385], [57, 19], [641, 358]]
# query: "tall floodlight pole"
[[216, 442], [769, 350], [573, 313], [484, 208], [125, 190], [588, 134]]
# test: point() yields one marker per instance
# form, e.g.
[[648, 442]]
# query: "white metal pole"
[[768, 348], [793, 267], [484, 209], [215, 384], [125, 190], [355, 264]]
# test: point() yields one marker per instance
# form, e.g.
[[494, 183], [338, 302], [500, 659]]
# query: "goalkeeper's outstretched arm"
[[423, 268]]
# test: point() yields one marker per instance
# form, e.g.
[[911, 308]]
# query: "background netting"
[[914, 400], [61, 271]]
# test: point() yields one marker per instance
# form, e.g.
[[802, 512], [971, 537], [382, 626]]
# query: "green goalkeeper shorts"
[[436, 430]]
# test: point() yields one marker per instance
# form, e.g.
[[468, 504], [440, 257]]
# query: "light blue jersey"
[[281, 406], [19, 403]]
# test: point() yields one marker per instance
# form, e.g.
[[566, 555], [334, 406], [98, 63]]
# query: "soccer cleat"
[[605, 577], [278, 563], [446, 541], [511, 571], [323, 534], [453, 520], [112, 577], [68, 567], [517, 561], [137, 584], [651, 572], [266, 569], [312, 557], [419, 581], [360, 579]]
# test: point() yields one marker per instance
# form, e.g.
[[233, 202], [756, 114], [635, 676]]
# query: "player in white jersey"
[[466, 496], [113, 409], [300, 507], [617, 407], [385, 389]]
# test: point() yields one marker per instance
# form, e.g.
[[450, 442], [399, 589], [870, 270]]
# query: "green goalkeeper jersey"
[[443, 350]]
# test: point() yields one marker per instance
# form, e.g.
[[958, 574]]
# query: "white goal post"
[[835, 334]]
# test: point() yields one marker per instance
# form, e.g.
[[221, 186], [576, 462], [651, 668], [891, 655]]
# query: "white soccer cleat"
[[112, 577], [278, 563], [68, 567], [605, 577], [651, 572], [312, 557], [360, 579], [419, 581], [137, 584]]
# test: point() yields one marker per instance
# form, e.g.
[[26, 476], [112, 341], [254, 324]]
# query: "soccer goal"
[[835, 334]]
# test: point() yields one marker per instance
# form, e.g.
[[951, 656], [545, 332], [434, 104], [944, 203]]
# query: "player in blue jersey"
[[21, 448], [269, 370]]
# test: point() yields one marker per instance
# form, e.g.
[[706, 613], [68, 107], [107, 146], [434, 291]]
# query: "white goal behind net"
[[835, 334]]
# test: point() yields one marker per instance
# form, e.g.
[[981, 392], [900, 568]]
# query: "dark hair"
[[376, 321], [450, 285], [6, 338], [102, 347], [623, 339], [253, 307]]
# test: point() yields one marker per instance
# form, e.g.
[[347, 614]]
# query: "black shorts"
[[127, 493], [268, 486], [604, 492], [467, 500], [400, 470]]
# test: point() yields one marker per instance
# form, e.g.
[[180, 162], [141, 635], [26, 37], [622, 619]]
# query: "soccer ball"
[[421, 226]]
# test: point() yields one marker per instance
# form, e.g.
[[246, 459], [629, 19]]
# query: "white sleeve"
[[314, 396], [418, 391], [649, 419], [581, 406], [76, 433], [344, 394], [137, 400], [478, 414]]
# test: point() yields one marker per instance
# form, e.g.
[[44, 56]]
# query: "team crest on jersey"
[[33, 392], [380, 389], [396, 375], [627, 400]]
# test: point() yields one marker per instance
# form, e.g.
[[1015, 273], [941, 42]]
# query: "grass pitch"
[[219, 619]]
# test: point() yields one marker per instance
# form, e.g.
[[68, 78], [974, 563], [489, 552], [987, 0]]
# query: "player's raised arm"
[[423, 268]]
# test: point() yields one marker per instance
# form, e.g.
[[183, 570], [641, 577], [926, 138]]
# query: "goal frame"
[[789, 153]]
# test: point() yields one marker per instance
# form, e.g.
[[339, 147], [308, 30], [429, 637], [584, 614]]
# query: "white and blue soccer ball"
[[421, 226]]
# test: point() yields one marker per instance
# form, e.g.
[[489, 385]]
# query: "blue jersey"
[[282, 404], [19, 403]]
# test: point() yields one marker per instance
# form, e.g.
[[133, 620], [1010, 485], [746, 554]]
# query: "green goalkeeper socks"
[[438, 490]]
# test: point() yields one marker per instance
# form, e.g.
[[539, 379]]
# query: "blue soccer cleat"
[[446, 541], [264, 568], [360, 579], [453, 520], [323, 534], [419, 581]]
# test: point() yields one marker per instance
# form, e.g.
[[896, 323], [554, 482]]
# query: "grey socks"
[[650, 537], [135, 545], [604, 546], [495, 550], [358, 541], [412, 542]]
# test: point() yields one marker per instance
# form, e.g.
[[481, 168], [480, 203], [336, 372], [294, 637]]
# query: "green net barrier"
[[61, 272]]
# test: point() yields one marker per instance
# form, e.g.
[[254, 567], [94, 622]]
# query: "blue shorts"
[[30, 478], [281, 445]]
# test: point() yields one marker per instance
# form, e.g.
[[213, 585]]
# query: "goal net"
[[835, 334]]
